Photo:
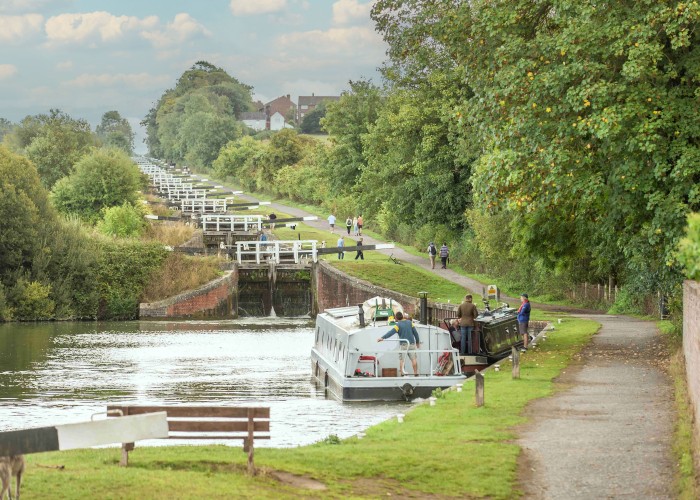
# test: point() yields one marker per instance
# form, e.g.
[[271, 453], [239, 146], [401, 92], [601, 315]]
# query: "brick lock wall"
[[337, 289], [216, 299], [691, 345]]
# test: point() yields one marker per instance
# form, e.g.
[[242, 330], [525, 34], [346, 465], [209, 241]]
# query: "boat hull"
[[404, 388]]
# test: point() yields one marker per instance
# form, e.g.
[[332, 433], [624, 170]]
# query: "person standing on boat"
[[408, 341], [524, 319], [467, 313]]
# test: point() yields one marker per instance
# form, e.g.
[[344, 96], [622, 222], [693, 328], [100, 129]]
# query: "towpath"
[[606, 433]]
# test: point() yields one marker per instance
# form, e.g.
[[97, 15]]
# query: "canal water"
[[54, 373]]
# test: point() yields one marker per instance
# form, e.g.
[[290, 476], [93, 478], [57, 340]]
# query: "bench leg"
[[126, 448]]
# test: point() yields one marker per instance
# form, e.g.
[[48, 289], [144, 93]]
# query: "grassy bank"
[[450, 450], [685, 447]]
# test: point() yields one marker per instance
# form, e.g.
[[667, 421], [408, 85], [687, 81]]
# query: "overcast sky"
[[86, 57]]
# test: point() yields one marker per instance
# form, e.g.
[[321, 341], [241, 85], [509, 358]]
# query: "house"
[[256, 120], [282, 105], [260, 120], [308, 103]]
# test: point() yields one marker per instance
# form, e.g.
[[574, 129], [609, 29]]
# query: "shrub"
[[32, 302], [123, 221], [689, 248]]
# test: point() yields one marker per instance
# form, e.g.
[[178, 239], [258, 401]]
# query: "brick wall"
[[216, 299], [691, 345], [335, 289]]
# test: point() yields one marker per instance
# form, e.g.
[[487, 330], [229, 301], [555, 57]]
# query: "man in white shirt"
[[331, 222]]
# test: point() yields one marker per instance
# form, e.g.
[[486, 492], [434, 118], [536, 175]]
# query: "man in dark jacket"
[[408, 338], [467, 313]]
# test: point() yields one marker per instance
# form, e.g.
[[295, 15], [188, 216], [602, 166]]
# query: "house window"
[[304, 106]]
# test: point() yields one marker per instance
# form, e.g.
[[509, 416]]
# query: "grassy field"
[[453, 449]]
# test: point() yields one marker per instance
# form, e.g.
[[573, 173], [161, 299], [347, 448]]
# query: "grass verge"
[[424, 456], [685, 446]]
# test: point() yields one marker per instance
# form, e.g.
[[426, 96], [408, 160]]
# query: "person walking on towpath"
[[354, 226], [524, 319], [331, 222], [340, 245], [444, 253], [467, 313], [348, 224], [359, 225], [359, 255], [408, 341], [432, 252]]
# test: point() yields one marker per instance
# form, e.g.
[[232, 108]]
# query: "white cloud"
[[94, 26], [136, 80], [350, 11], [7, 71], [64, 65], [250, 7], [20, 6], [357, 42], [184, 27], [17, 28]]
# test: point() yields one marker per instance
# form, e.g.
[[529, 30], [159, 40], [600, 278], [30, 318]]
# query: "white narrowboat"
[[351, 365]]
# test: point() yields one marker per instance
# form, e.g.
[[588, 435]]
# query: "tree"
[[54, 143], [346, 121], [6, 127], [311, 123], [115, 131], [102, 179], [172, 128]]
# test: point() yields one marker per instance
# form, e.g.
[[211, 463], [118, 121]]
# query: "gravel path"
[[607, 434]]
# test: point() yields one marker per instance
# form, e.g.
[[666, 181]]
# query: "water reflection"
[[53, 373]]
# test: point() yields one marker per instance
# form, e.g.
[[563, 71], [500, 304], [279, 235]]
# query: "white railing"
[[276, 251], [225, 222], [204, 205]]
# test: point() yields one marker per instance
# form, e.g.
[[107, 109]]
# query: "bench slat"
[[217, 426], [194, 411], [216, 437]]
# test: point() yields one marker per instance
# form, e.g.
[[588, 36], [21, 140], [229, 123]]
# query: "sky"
[[88, 57]]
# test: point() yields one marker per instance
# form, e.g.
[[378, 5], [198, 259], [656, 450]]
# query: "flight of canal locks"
[[281, 329]]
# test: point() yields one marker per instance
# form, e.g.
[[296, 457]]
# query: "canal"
[[61, 372]]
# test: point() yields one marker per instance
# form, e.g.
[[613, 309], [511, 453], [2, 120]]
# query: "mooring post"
[[516, 362], [423, 307], [479, 388]]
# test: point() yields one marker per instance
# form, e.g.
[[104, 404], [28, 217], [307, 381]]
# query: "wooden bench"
[[205, 422]]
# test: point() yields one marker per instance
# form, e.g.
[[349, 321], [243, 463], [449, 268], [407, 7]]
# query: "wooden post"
[[126, 448], [249, 441], [516, 362], [479, 389]]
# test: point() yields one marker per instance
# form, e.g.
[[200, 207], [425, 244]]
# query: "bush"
[[123, 221], [32, 302], [689, 248]]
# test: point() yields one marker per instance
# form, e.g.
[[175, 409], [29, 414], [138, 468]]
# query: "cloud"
[[350, 11], [357, 42], [17, 28], [21, 6], [184, 27], [64, 65], [7, 71], [251, 7], [135, 80], [103, 27], [94, 26]]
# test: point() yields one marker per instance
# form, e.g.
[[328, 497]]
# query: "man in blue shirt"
[[524, 318], [408, 338]]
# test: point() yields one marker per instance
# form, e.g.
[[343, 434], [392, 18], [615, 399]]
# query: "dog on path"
[[11, 466]]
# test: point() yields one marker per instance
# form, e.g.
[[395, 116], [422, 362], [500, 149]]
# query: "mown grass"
[[685, 446], [453, 449]]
